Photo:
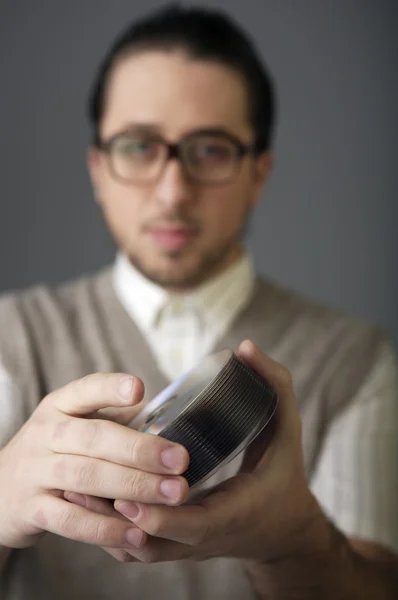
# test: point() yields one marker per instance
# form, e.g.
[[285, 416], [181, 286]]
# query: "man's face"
[[176, 231]]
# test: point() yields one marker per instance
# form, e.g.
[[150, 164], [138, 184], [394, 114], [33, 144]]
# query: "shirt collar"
[[221, 294], [143, 300]]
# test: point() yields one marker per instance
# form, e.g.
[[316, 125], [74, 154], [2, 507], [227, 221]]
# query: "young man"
[[182, 113]]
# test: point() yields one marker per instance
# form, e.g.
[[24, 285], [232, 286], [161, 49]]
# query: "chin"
[[173, 271], [178, 279], [186, 268]]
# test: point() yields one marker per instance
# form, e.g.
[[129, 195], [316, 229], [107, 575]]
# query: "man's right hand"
[[68, 446]]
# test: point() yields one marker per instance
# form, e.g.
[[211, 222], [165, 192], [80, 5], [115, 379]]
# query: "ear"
[[94, 169], [262, 171]]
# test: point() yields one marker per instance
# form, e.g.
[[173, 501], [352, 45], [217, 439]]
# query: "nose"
[[173, 187]]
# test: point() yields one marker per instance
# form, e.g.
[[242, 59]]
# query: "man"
[[182, 113]]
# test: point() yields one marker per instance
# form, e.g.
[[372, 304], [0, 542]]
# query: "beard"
[[179, 276]]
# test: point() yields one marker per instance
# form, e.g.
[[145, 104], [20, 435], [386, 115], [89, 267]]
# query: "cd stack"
[[214, 411]]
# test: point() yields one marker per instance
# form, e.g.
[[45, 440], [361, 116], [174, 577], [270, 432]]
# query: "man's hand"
[[260, 515], [72, 443]]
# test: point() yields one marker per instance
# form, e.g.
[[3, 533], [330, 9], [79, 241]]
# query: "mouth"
[[172, 238]]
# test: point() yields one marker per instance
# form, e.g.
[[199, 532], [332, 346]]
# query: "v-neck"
[[129, 348]]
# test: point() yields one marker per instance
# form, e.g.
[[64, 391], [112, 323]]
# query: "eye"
[[136, 148], [211, 151]]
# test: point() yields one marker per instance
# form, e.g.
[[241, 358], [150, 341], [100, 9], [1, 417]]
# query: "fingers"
[[118, 444], [175, 533], [123, 415], [102, 507], [196, 530], [96, 392], [97, 477], [120, 555], [155, 551], [197, 523], [276, 375], [93, 503], [79, 524], [184, 524]]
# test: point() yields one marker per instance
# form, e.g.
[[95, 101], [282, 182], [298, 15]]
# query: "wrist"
[[311, 540], [308, 566]]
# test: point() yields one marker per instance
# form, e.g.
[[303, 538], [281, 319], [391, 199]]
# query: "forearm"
[[327, 568]]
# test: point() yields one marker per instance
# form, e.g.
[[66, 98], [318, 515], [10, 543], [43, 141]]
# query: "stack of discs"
[[214, 411]]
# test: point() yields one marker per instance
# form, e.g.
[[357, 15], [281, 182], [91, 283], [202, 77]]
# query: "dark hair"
[[203, 34]]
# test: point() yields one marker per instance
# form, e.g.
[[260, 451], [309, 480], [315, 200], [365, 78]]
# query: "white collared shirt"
[[182, 328]]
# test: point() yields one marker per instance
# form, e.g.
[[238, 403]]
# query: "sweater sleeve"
[[356, 480]]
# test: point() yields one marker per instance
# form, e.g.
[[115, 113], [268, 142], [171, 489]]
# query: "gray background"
[[327, 225]]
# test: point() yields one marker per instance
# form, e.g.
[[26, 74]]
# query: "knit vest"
[[50, 336]]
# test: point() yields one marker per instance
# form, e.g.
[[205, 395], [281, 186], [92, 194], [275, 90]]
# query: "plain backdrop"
[[327, 225]]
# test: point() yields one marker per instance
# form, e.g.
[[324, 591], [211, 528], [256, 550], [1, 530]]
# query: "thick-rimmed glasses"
[[207, 157]]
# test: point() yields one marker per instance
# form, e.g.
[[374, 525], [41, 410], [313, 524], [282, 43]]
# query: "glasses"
[[207, 157]]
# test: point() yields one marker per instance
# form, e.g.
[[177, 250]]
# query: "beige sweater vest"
[[50, 336]]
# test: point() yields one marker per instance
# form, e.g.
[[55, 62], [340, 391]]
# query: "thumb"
[[288, 419]]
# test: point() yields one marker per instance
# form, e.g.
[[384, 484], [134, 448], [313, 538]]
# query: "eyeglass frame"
[[174, 151]]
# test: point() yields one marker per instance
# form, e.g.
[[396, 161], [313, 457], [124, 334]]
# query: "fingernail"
[[173, 458], [126, 388], [130, 509], [134, 537], [171, 488]]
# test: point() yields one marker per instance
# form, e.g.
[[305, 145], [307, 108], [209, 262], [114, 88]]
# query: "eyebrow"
[[144, 127], [154, 128]]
